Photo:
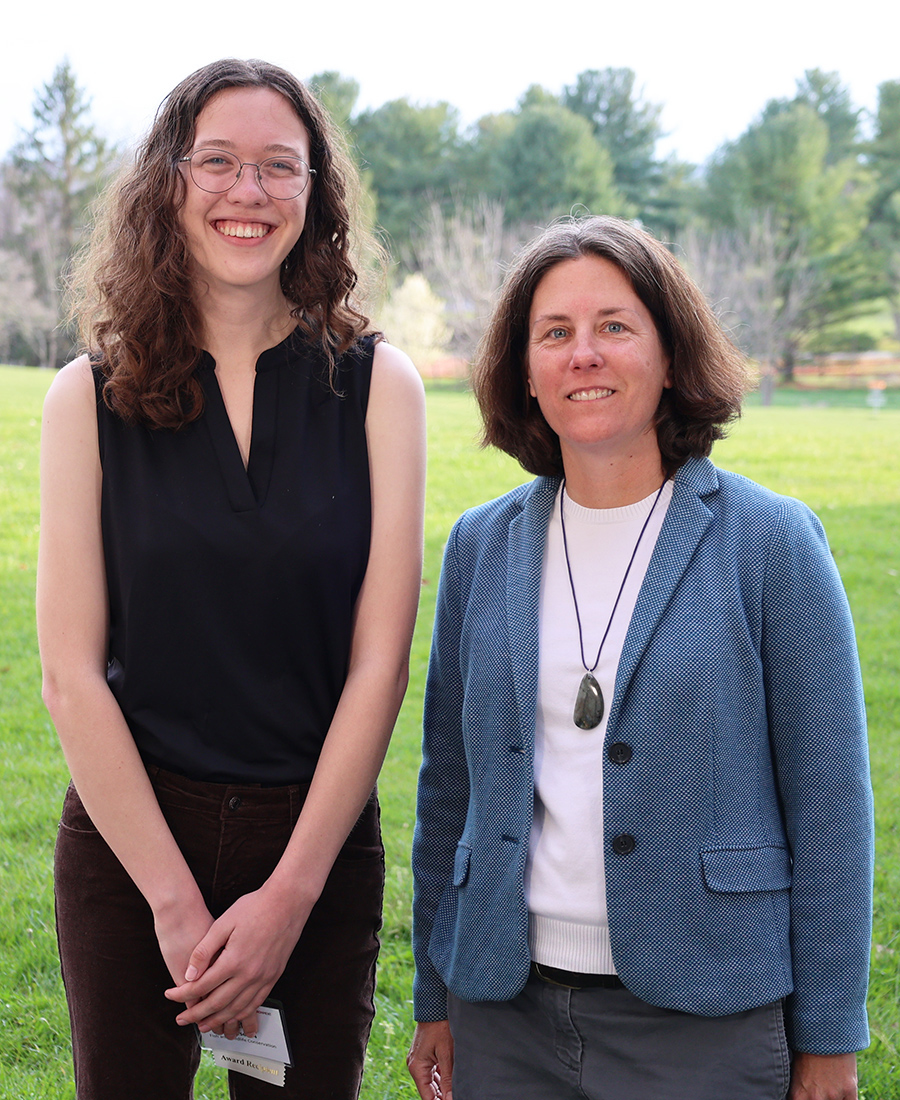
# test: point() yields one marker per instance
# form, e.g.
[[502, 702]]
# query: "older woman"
[[644, 844], [229, 569]]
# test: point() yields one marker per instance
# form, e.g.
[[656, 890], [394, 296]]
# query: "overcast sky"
[[711, 64]]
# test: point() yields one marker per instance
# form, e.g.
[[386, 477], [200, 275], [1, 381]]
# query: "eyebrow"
[[224, 143], [544, 317]]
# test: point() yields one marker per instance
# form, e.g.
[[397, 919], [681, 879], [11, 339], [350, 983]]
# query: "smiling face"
[[240, 237], [596, 365]]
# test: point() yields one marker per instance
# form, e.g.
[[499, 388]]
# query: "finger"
[[229, 1001], [192, 993], [207, 951], [196, 989], [423, 1074], [248, 1026], [215, 1009], [445, 1073]]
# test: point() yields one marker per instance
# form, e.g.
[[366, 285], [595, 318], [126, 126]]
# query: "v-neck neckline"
[[247, 486]]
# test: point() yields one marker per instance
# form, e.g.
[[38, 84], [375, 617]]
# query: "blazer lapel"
[[686, 521], [524, 564]]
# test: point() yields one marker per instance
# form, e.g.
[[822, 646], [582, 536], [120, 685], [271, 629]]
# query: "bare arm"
[[72, 615], [253, 940]]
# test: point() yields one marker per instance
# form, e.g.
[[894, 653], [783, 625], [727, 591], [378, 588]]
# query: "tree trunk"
[[788, 362], [767, 383]]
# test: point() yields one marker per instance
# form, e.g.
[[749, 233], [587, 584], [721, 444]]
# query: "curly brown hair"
[[709, 375], [132, 290]]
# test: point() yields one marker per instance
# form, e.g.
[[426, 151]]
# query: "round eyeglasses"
[[217, 171]]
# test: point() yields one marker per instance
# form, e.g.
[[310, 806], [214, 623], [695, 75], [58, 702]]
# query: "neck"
[[597, 482], [241, 323]]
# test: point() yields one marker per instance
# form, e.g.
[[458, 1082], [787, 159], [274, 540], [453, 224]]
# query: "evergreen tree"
[[546, 162], [883, 156], [408, 155], [830, 99], [779, 169], [627, 126]]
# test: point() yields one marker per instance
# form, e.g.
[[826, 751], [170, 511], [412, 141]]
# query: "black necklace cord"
[[562, 521]]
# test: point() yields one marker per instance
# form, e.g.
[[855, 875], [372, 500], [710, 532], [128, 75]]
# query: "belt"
[[570, 979]]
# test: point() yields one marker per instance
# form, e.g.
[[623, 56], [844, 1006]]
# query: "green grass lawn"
[[841, 459]]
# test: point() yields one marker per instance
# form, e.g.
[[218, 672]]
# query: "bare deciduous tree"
[[463, 257], [761, 286], [25, 321]]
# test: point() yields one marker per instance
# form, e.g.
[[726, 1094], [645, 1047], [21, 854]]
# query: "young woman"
[[229, 568]]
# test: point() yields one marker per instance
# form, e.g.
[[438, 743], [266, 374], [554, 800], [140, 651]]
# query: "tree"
[[407, 155], [24, 319], [337, 94], [627, 126], [54, 172], [463, 255], [830, 99], [547, 162], [778, 168], [883, 156], [536, 95], [414, 318], [743, 272], [673, 205]]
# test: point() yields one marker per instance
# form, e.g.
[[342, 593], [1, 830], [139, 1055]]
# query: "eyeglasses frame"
[[241, 166]]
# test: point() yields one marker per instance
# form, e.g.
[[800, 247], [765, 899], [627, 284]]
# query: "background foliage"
[[801, 212]]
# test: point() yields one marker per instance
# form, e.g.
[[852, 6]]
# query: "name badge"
[[263, 1055]]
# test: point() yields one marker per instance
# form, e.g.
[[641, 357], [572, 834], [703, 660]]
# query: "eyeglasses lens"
[[216, 171]]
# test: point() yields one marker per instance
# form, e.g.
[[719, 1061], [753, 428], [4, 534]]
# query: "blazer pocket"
[[461, 864], [743, 870]]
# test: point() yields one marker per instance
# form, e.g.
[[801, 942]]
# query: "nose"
[[247, 186], [586, 352]]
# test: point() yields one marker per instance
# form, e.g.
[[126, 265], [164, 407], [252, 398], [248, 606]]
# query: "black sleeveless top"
[[231, 591]]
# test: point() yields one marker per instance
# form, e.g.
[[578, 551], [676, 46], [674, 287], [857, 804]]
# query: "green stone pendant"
[[588, 703]]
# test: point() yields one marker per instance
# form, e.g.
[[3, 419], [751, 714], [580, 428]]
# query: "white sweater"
[[565, 879]]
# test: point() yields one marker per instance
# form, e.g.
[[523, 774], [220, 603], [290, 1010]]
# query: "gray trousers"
[[552, 1043]]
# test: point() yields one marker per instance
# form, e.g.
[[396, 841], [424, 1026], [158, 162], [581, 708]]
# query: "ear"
[[668, 381], [531, 388]]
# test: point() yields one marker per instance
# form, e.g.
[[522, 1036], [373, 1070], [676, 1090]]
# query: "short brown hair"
[[133, 289], [709, 375]]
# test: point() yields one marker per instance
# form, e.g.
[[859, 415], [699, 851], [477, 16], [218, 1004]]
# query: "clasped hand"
[[232, 969]]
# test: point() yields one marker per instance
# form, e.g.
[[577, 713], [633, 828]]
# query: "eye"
[[282, 167], [615, 327], [213, 160], [558, 333]]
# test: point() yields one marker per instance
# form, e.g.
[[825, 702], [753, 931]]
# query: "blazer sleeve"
[[443, 792], [817, 723]]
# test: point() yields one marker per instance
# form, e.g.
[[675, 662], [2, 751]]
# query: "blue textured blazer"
[[738, 834]]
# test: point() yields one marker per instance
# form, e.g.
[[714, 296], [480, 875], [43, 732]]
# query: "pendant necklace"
[[589, 700]]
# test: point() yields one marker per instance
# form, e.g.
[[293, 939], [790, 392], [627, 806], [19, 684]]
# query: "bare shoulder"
[[69, 431], [72, 390], [394, 378], [395, 421]]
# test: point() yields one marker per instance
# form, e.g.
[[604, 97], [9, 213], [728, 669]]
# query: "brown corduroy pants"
[[124, 1037]]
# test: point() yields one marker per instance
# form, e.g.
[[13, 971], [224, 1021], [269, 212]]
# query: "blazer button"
[[623, 844], [619, 752]]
